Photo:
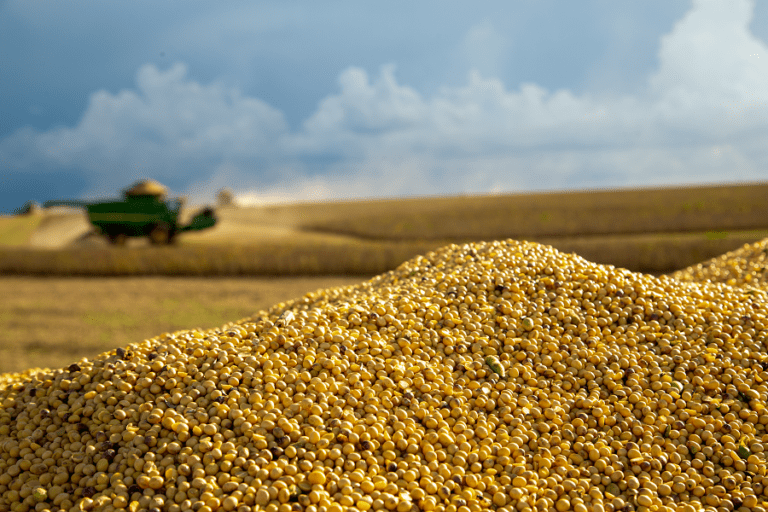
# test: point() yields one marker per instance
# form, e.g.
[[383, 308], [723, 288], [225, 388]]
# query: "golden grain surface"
[[745, 266], [492, 376]]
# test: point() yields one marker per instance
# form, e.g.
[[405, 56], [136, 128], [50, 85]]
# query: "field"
[[52, 322], [653, 253], [16, 231], [549, 215], [54, 310], [647, 230]]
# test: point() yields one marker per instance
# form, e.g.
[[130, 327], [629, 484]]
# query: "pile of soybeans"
[[746, 266], [495, 376]]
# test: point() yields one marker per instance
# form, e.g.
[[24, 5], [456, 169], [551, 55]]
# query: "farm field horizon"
[[653, 230]]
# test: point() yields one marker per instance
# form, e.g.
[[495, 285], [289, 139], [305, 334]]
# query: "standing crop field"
[[546, 215], [650, 230], [652, 253], [266, 259]]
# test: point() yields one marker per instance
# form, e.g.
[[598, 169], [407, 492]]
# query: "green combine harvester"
[[143, 212]]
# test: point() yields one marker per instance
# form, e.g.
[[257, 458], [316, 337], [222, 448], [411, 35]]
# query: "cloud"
[[712, 66], [701, 117], [362, 111], [168, 126], [711, 55]]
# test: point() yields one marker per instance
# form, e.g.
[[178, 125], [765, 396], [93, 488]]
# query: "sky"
[[294, 100]]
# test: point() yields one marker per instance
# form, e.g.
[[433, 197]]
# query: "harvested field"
[[16, 231], [49, 322]]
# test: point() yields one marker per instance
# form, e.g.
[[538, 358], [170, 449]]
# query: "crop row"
[[644, 253]]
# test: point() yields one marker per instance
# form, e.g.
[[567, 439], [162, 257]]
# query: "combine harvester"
[[143, 212]]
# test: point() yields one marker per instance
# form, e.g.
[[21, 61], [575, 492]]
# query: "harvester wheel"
[[160, 234], [117, 238]]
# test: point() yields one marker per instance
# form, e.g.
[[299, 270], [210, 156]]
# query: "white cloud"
[[711, 55], [362, 111], [306, 190], [701, 118], [167, 126], [709, 66]]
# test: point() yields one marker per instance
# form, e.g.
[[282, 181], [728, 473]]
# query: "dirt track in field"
[[57, 230], [62, 228]]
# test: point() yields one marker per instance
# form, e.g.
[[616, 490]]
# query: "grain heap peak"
[[745, 266], [496, 376]]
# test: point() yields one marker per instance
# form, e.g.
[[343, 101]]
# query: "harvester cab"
[[144, 211]]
